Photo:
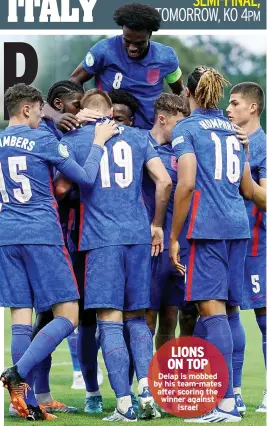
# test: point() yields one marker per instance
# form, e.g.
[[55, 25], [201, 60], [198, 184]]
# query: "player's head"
[[246, 102], [168, 110], [65, 96], [24, 104], [206, 87], [125, 106], [138, 22], [98, 101]]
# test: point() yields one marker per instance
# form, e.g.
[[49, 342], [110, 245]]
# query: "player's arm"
[[246, 185], [177, 86], [163, 186], [174, 78], [92, 64], [65, 122], [80, 75], [84, 176], [187, 166]]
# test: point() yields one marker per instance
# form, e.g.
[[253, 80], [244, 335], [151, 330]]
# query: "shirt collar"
[[255, 134], [210, 111]]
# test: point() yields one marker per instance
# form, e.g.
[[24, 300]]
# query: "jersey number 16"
[[233, 162]]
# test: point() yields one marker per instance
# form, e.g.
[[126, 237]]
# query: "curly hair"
[[138, 17], [21, 93], [207, 86], [62, 90], [122, 97]]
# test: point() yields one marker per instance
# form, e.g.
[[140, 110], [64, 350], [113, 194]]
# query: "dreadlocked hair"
[[207, 86], [62, 90], [138, 17]]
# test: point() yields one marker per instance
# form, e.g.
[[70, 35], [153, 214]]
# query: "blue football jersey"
[[166, 154], [28, 209], [217, 210], [50, 126], [114, 69], [113, 212], [257, 218]]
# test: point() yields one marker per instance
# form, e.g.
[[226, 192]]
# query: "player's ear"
[[253, 108], [58, 105], [26, 110], [131, 121], [111, 113], [187, 92], [162, 119]]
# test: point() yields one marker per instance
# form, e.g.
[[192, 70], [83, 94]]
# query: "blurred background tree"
[[59, 56]]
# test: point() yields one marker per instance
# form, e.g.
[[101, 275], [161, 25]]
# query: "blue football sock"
[[72, 342], [87, 352], [115, 356], [239, 344], [41, 376], [141, 343], [261, 320], [21, 340], [219, 334], [44, 343], [131, 363], [199, 330]]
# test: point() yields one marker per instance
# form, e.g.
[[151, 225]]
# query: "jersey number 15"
[[22, 194]]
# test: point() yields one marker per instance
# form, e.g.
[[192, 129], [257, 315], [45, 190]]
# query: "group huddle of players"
[[121, 205]]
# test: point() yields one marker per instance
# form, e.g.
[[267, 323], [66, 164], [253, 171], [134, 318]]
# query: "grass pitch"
[[61, 379]]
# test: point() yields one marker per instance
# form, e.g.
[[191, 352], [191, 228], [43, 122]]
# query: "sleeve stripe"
[[174, 76]]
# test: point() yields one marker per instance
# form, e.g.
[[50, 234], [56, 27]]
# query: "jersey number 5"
[[24, 194], [233, 162], [123, 158]]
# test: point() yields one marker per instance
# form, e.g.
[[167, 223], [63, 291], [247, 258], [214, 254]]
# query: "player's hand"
[[66, 122], [86, 115], [174, 254], [242, 136], [104, 131], [157, 240]]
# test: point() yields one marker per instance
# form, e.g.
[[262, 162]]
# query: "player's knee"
[[211, 307], [110, 315], [87, 317], [168, 319], [187, 321], [41, 321], [231, 309], [260, 311], [151, 317], [68, 310], [21, 316]]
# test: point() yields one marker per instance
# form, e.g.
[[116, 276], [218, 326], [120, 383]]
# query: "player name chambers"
[[213, 11]]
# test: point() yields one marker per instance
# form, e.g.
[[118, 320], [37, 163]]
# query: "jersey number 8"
[[123, 158]]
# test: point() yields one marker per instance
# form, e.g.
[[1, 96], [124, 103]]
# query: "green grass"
[[61, 380]]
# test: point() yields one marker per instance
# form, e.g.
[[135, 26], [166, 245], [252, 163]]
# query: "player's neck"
[[157, 134], [252, 125], [18, 121]]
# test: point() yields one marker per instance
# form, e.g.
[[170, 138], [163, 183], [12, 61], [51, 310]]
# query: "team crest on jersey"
[[63, 150], [90, 59], [153, 75], [173, 162]]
